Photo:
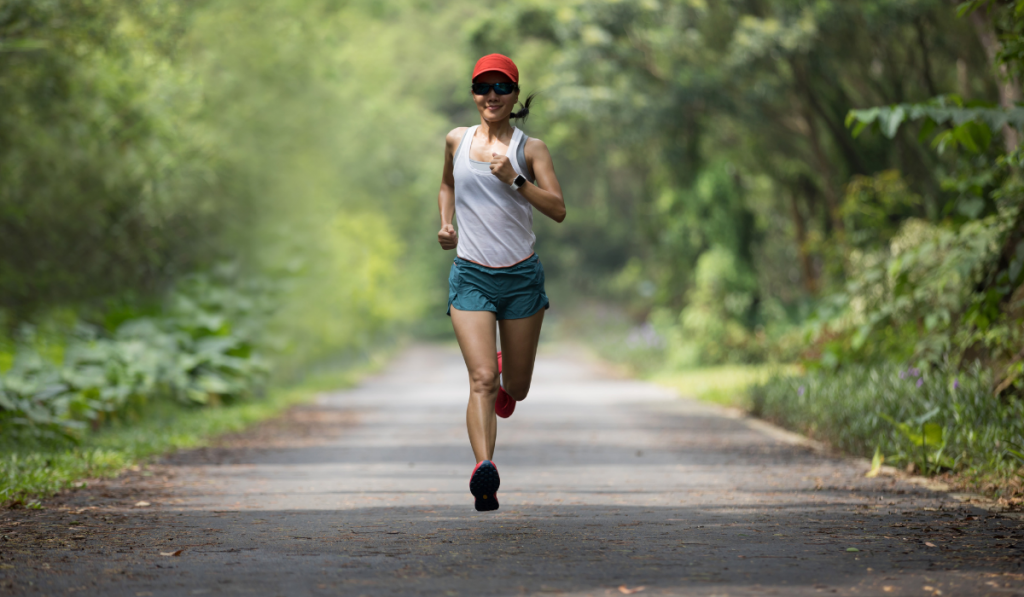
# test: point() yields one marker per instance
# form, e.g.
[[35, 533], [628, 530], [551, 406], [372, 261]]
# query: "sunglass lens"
[[499, 88]]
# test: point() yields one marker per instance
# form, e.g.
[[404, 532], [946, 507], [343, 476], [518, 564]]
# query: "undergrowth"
[[34, 469], [930, 421]]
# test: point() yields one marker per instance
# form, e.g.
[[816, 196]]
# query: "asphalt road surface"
[[609, 486]]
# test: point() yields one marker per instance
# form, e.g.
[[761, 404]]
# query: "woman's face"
[[494, 107]]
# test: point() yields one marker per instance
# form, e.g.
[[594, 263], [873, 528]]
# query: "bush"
[[201, 350], [934, 419], [917, 299]]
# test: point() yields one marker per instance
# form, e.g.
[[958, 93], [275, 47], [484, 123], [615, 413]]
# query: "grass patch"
[[935, 421], [37, 469], [726, 385]]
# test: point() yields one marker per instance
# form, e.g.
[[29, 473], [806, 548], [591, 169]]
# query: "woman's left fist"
[[502, 168]]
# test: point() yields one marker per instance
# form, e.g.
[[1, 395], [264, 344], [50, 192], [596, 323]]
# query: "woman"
[[496, 275]]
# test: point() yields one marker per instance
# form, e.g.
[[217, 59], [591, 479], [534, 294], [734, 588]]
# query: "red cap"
[[498, 63]]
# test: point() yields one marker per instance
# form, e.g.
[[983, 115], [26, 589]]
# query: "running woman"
[[496, 276]]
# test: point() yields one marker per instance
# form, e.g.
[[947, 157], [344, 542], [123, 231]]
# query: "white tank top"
[[495, 223]]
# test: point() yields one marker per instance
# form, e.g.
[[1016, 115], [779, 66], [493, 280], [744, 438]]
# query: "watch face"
[[520, 181]]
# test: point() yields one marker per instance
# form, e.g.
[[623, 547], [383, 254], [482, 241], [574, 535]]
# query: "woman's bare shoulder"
[[535, 147], [455, 135]]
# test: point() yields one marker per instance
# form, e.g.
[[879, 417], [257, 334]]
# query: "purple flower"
[[914, 371], [903, 374], [956, 383], [920, 382], [800, 391]]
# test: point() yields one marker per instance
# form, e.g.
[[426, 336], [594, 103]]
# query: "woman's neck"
[[496, 130]]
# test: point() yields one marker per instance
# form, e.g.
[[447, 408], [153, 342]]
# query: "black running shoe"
[[483, 484]]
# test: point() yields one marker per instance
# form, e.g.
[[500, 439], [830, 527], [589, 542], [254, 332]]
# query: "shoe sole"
[[484, 487]]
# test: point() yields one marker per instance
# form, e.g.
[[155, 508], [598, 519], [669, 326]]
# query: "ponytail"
[[522, 114]]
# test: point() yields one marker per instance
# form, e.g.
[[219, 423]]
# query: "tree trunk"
[[1009, 90], [800, 226], [825, 171], [926, 63]]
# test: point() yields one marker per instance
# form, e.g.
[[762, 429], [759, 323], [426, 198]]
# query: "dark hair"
[[522, 114]]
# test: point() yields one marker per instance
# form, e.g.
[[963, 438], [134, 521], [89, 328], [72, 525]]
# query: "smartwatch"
[[518, 182]]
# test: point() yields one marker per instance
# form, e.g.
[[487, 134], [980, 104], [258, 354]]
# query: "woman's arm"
[[447, 236], [546, 195]]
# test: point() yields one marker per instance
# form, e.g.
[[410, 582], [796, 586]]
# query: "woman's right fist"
[[448, 238]]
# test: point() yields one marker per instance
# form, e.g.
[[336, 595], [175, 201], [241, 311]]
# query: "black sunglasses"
[[499, 88]]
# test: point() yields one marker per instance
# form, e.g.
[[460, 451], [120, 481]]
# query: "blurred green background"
[[203, 200]]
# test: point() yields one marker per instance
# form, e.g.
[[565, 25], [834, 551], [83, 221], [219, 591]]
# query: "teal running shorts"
[[509, 292]]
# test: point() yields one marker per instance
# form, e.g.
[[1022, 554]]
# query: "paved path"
[[608, 486]]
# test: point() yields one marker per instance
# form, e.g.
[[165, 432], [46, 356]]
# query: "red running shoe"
[[505, 405], [483, 484]]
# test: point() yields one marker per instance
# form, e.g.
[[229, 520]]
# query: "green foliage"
[[909, 302], [713, 328], [874, 208], [972, 125], [941, 293], [1016, 451], [944, 293], [104, 165], [936, 419], [141, 144], [928, 441], [1007, 18], [711, 182], [199, 351], [685, 129]]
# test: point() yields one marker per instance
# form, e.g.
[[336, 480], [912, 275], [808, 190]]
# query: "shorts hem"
[[451, 303], [544, 307]]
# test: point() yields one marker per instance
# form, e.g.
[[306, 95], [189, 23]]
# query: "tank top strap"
[[463, 147], [513, 150]]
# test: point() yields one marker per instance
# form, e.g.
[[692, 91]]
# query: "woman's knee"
[[483, 380]]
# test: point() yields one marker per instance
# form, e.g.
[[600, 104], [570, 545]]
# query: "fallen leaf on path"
[[887, 589], [627, 591], [141, 504], [852, 549], [172, 553], [930, 544]]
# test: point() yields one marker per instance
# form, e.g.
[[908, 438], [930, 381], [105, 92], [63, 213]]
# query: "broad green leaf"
[[934, 435]]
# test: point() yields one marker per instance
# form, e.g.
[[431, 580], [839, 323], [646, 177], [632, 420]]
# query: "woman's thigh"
[[519, 338], [475, 332]]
